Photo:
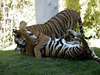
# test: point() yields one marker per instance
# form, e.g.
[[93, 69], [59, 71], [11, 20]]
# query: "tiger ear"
[[22, 25]]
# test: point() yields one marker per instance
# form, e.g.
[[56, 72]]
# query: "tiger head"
[[20, 41], [24, 42]]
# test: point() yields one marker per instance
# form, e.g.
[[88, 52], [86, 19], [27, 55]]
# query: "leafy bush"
[[92, 16], [1, 15]]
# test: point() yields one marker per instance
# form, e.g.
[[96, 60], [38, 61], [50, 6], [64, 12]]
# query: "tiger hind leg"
[[95, 57]]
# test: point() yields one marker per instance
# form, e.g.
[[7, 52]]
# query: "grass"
[[15, 64]]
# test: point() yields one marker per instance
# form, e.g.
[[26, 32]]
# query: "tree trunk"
[[45, 9]]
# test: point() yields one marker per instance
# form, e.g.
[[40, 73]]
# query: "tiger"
[[57, 25], [24, 44], [65, 49], [59, 47]]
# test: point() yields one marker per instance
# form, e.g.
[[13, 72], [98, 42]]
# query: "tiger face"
[[20, 41], [24, 43]]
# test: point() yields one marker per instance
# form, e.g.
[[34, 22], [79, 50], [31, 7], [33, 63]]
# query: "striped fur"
[[21, 45], [59, 47], [24, 46], [24, 36], [58, 25], [44, 46]]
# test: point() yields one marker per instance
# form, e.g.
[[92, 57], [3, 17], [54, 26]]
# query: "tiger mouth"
[[21, 46]]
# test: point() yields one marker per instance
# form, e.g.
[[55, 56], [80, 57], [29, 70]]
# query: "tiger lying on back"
[[49, 47], [59, 47], [58, 25]]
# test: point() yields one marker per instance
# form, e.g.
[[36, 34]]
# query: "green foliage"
[[73, 4], [92, 18], [1, 15], [22, 3], [7, 38], [91, 15], [10, 4], [15, 64]]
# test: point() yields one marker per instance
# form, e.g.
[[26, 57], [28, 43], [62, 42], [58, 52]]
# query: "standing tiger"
[[59, 47], [58, 25]]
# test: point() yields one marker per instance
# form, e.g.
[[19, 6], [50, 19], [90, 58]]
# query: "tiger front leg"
[[37, 52]]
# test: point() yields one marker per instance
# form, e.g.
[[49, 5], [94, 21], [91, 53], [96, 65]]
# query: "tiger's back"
[[59, 24]]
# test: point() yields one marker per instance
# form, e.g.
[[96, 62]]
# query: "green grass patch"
[[15, 64]]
